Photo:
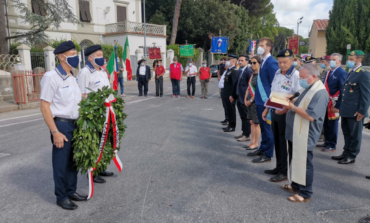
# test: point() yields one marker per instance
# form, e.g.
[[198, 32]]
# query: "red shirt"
[[159, 70]]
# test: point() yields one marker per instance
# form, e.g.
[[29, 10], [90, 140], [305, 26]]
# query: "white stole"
[[300, 139]]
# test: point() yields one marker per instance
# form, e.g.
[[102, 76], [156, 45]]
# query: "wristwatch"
[[251, 100], [54, 132], [293, 108]]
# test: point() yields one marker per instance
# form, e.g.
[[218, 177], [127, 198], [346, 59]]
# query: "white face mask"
[[190, 64], [159, 64], [227, 63], [260, 51], [142, 64], [204, 65]]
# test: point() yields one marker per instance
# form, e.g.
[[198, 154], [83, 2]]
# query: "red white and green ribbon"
[[110, 118], [251, 88]]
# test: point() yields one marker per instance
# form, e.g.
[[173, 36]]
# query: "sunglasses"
[[254, 63]]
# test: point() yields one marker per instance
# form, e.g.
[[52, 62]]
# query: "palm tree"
[[175, 21]]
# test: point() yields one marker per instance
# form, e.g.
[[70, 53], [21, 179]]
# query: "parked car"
[[214, 69]]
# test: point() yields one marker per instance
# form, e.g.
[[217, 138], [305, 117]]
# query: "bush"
[[13, 48], [108, 50], [56, 43], [183, 60]]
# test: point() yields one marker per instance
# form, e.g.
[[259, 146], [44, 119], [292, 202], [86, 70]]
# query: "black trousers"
[[158, 86], [191, 82], [223, 99], [330, 131], [278, 125], [243, 112], [142, 82], [352, 131], [231, 111], [64, 168]]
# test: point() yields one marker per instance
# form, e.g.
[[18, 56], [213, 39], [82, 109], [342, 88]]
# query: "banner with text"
[[293, 43], [187, 51]]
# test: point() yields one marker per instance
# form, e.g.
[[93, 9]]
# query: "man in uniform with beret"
[[93, 77], [60, 95], [231, 81], [333, 81], [297, 62], [143, 76], [355, 105]]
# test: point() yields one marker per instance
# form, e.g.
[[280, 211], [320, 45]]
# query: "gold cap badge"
[[287, 53], [352, 53]]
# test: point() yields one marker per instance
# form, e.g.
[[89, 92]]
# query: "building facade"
[[317, 38]]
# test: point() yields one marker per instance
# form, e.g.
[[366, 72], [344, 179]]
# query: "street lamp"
[[299, 21]]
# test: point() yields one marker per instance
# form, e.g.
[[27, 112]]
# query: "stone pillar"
[[210, 58], [49, 58], [25, 54], [200, 59], [139, 55]]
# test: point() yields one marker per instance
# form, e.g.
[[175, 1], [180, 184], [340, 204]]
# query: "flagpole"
[[144, 31]]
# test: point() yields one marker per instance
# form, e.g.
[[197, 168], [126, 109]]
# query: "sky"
[[289, 11]]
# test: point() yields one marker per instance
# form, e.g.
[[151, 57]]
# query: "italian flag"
[[126, 59], [112, 68]]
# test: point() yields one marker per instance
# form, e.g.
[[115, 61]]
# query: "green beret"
[[357, 53]]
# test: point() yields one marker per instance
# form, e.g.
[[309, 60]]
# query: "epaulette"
[[358, 70]]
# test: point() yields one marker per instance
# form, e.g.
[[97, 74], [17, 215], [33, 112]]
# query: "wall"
[[317, 42]]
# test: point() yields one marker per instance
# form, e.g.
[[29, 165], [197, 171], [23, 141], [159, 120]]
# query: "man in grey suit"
[[355, 104]]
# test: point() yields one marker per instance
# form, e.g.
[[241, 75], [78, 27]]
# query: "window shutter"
[[121, 14], [87, 10], [83, 17], [35, 7]]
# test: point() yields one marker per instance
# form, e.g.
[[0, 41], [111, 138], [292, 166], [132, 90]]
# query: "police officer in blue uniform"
[[333, 81], [60, 96], [231, 80], [355, 105]]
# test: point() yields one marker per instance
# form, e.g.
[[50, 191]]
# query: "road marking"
[[20, 117], [1, 126], [4, 154]]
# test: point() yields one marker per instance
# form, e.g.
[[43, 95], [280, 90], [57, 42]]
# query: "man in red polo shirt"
[[204, 77], [176, 72], [159, 72]]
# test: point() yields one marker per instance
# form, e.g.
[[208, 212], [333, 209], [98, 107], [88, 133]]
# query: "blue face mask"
[[304, 83], [72, 61], [322, 66], [295, 63], [99, 61], [333, 64], [350, 64]]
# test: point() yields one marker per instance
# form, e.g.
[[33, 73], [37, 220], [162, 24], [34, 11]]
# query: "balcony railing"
[[134, 27]]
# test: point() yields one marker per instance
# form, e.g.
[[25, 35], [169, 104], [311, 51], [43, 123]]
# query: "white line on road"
[[1, 126], [19, 117]]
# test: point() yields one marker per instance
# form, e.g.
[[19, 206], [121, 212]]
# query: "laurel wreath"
[[89, 127]]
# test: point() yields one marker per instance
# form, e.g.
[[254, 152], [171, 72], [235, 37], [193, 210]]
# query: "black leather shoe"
[[367, 177], [229, 129], [98, 180], [347, 160], [249, 148], [271, 172], [225, 123], [145, 95], [279, 178], [262, 159], [77, 197], [140, 95], [255, 153], [237, 137], [67, 205], [322, 145], [338, 157], [106, 174]]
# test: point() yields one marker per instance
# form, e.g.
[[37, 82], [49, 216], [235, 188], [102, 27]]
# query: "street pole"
[[144, 31]]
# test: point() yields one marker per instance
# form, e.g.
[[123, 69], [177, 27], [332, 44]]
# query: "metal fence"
[[37, 60], [8, 60], [26, 85]]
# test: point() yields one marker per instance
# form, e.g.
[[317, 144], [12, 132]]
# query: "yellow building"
[[317, 39]]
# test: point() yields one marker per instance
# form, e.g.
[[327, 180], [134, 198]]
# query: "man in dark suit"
[[269, 66], [333, 81], [355, 104], [241, 88], [231, 80], [143, 76]]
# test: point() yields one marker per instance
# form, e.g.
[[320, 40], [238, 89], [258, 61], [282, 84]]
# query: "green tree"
[[349, 23]]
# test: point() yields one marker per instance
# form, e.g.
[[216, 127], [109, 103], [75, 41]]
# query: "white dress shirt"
[[288, 84], [91, 78], [62, 92], [222, 80], [142, 70], [192, 69]]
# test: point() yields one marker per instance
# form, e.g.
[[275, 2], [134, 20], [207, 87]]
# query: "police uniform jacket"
[[356, 93], [231, 80], [336, 81]]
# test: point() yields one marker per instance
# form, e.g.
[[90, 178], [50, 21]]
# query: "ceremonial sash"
[[300, 139], [264, 97], [110, 118], [251, 88], [331, 114]]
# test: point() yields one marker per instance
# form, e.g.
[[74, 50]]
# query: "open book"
[[277, 101]]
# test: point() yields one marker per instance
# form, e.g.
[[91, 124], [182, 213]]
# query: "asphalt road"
[[178, 166]]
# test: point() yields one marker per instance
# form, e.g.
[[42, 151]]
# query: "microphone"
[[296, 95]]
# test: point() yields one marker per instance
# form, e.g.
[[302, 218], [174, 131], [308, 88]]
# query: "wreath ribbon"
[[110, 117]]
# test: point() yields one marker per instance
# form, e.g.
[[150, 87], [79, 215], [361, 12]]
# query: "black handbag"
[[206, 80]]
